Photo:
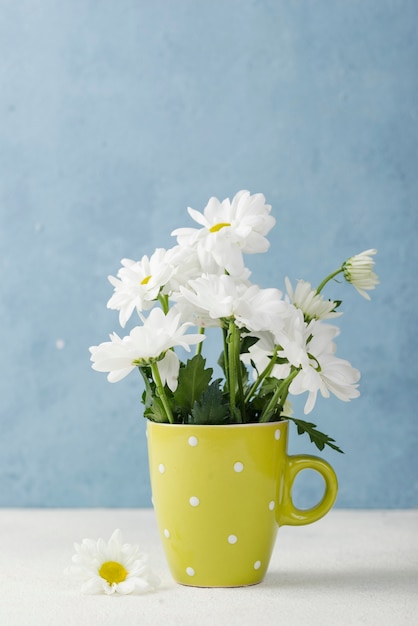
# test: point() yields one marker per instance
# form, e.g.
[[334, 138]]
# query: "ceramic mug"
[[221, 492]]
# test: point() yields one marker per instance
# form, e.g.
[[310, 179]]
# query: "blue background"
[[117, 115]]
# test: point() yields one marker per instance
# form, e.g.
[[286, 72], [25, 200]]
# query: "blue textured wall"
[[117, 115]]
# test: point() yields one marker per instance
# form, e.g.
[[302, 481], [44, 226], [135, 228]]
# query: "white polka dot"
[[166, 533], [190, 571], [194, 501], [238, 467], [272, 504], [193, 441], [232, 539], [60, 344], [161, 468], [277, 434], [257, 565]]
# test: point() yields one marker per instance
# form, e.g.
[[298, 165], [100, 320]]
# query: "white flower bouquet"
[[274, 346]]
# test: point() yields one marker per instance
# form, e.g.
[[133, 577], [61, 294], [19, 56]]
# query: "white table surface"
[[351, 567]]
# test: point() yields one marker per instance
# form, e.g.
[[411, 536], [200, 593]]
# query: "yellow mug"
[[221, 492]]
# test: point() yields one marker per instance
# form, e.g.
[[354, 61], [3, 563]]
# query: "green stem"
[[225, 356], [160, 391], [236, 341], [199, 345], [163, 300], [267, 370], [280, 394], [231, 367], [328, 278]]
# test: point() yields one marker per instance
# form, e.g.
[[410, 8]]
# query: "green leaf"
[[247, 342], [149, 391], [268, 387], [156, 412], [212, 408], [319, 439], [194, 380], [221, 362]]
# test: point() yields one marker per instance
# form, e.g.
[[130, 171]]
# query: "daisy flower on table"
[[230, 228], [111, 568]]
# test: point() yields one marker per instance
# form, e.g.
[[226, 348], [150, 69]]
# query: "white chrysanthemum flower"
[[222, 297], [144, 344], [112, 567], [185, 265], [358, 270], [310, 302], [192, 313], [138, 284], [292, 335], [213, 295], [325, 372], [188, 263], [229, 229], [261, 309]]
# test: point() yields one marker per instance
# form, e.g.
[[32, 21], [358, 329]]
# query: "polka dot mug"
[[221, 492]]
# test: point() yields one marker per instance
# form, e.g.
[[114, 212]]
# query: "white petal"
[[168, 368], [117, 375], [93, 585]]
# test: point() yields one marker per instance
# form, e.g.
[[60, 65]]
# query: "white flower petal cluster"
[[138, 284], [310, 348], [293, 337], [324, 372], [230, 228], [111, 567], [218, 297], [186, 265], [358, 270], [310, 302], [202, 281], [144, 344]]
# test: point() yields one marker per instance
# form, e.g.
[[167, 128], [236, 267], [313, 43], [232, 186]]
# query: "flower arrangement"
[[274, 346]]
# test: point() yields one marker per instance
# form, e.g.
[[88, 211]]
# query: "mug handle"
[[292, 516]]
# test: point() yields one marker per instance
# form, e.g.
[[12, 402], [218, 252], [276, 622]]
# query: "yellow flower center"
[[113, 572], [218, 227], [145, 280]]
